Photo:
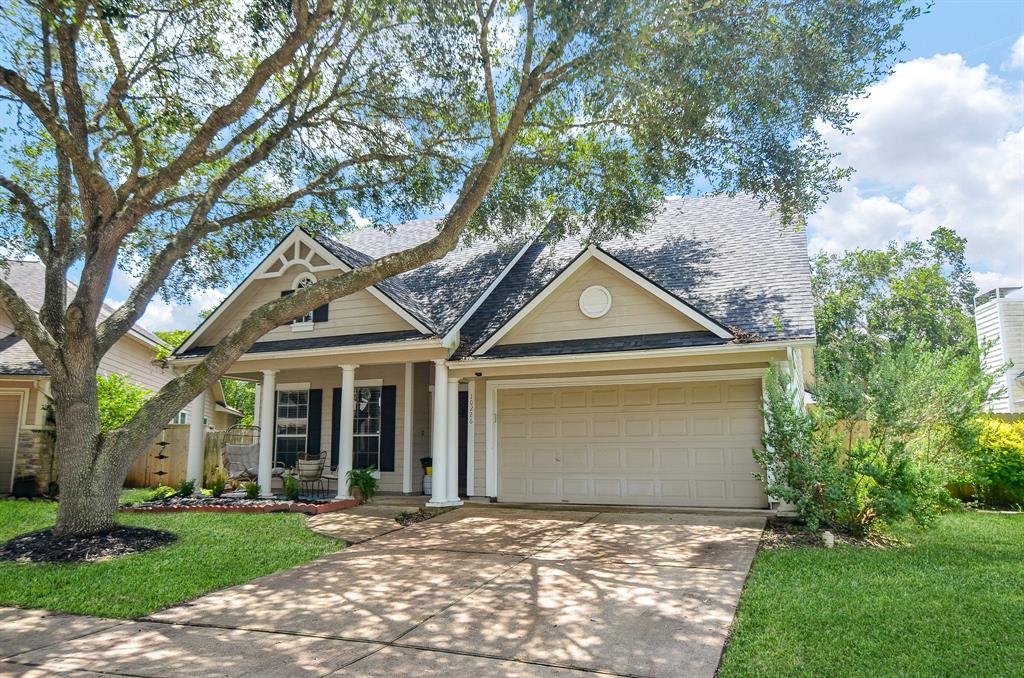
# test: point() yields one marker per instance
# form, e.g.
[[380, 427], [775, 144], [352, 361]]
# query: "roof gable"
[[637, 306], [727, 256], [296, 255]]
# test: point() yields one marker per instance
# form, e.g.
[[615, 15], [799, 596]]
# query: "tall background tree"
[[868, 302], [177, 140]]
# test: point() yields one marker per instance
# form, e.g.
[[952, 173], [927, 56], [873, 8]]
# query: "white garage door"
[[680, 444]]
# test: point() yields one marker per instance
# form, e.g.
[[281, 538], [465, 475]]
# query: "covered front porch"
[[363, 407]]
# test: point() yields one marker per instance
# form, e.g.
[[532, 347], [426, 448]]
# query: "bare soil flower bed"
[[789, 534], [309, 506], [44, 547]]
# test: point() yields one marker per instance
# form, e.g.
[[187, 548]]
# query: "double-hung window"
[[366, 436], [292, 425], [307, 319]]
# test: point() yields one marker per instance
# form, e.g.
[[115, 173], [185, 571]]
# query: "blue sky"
[[940, 141]]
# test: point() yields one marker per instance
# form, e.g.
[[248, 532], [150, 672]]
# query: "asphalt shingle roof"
[[314, 342], [28, 278], [725, 256], [440, 292], [636, 342]]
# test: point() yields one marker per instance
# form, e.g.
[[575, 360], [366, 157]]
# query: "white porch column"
[[196, 440], [268, 401], [407, 460], [347, 428], [439, 435], [452, 485]]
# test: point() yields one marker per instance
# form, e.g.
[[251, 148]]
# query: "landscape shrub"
[[186, 488], [874, 451], [218, 483], [291, 488], [161, 492], [999, 462], [252, 490]]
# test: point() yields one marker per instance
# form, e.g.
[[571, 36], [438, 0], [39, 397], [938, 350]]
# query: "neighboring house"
[[999, 317], [627, 372], [26, 447]]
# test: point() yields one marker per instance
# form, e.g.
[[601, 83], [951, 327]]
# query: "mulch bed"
[[44, 547], [789, 534], [308, 506]]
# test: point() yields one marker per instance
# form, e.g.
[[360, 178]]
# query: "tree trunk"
[[90, 480]]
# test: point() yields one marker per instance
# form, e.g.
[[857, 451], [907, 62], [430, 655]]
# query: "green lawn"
[[213, 550], [951, 602]]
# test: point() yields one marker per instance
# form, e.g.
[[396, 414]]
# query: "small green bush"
[[291, 488], [252, 490], [161, 492], [218, 483], [186, 488], [364, 480], [999, 462]]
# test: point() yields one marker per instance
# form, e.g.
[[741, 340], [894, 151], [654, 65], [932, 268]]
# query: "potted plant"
[[428, 465]]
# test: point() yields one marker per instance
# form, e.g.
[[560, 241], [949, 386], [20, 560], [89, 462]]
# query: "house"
[[624, 372], [999, 318], [26, 443]]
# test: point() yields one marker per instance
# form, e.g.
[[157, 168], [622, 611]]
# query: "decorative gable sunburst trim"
[[595, 252], [297, 248]]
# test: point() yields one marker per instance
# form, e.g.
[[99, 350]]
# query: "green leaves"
[[119, 400]]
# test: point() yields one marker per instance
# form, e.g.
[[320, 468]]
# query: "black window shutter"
[[387, 428], [335, 424], [316, 406], [320, 314]]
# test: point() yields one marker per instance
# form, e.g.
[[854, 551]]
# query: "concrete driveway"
[[493, 591]]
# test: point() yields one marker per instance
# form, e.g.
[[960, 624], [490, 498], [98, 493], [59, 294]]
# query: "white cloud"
[[1016, 59], [161, 315], [937, 143]]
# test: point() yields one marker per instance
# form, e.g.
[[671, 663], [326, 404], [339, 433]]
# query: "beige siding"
[[479, 438], [134, 360], [359, 313], [634, 311]]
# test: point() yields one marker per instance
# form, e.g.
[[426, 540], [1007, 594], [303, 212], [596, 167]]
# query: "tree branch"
[[27, 325], [32, 215], [485, 55]]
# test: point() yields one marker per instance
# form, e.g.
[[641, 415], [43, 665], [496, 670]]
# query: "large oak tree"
[[176, 140]]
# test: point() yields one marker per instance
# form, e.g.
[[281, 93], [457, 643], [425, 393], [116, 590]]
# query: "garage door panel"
[[641, 458], [606, 459], [707, 425], [608, 488], [683, 444]]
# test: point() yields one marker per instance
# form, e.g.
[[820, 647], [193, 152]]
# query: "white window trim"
[[290, 388], [303, 325], [593, 252]]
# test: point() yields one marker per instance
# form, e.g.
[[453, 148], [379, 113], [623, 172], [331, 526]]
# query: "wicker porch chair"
[[310, 471]]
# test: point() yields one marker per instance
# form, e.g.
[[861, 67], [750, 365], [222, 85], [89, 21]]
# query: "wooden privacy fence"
[[166, 457]]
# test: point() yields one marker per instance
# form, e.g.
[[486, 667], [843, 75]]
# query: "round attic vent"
[[595, 301]]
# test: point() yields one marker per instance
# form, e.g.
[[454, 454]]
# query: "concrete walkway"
[[506, 592]]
